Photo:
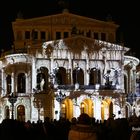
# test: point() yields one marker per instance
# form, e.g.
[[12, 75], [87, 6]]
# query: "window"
[[88, 33], [43, 35], [58, 35], [66, 34], [27, 34], [8, 84], [21, 83], [42, 79], [61, 76], [34, 35], [103, 36], [96, 36], [95, 76], [19, 35], [78, 76]]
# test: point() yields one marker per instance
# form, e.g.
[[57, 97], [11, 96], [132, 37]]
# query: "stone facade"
[[62, 65]]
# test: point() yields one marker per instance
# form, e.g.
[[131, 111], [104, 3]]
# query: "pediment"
[[65, 18]]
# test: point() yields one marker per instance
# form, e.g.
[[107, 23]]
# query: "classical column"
[[33, 74], [12, 82], [87, 72], [69, 72], [3, 92]]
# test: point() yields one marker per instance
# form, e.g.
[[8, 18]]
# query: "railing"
[[86, 87]]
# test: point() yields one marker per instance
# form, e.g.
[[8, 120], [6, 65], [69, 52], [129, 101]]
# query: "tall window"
[[66, 34], [19, 35], [61, 76], [94, 76], [43, 35], [8, 84], [103, 36], [42, 79], [96, 36], [78, 76], [58, 35], [27, 34], [21, 83]]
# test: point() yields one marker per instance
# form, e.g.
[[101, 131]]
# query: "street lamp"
[[131, 98], [12, 99], [37, 104], [60, 97]]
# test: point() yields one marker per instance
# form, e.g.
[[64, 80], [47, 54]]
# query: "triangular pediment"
[[63, 18]]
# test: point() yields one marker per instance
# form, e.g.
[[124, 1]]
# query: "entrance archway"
[[87, 106], [68, 108], [21, 113]]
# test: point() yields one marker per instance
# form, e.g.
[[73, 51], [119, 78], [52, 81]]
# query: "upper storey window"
[[27, 34], [58, 35], [103, 36], [42, 78], [34, 35], [95, 76], [60, 76], [96, 36], [89, 33], [66, 34], [21, 83], [43, 35], [19, 35], [8, 84]]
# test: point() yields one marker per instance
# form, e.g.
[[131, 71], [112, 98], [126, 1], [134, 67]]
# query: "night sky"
[[126, 14]]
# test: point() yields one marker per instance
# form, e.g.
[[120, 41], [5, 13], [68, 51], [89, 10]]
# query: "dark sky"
[[126, 14]]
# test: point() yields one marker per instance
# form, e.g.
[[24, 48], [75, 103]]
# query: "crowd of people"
[[81, 128]]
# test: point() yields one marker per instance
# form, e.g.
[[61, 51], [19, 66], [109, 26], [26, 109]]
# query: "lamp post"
[[60, 97], [131, 98], [37, 104], [12, 99]]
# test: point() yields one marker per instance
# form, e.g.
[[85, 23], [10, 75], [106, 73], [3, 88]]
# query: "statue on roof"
[[19, 15]]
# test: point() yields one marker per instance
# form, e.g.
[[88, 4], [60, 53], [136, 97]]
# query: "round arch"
[[87, 106], [67, 107], [21, 113]]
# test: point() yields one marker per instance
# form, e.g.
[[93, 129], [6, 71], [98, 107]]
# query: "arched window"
[[21, 83], [8, 84], [78, 76], [21, 113], [95, 76], [42, 78], [61, 76]]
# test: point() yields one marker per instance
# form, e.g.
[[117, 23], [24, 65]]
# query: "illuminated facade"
[[65, 64]]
